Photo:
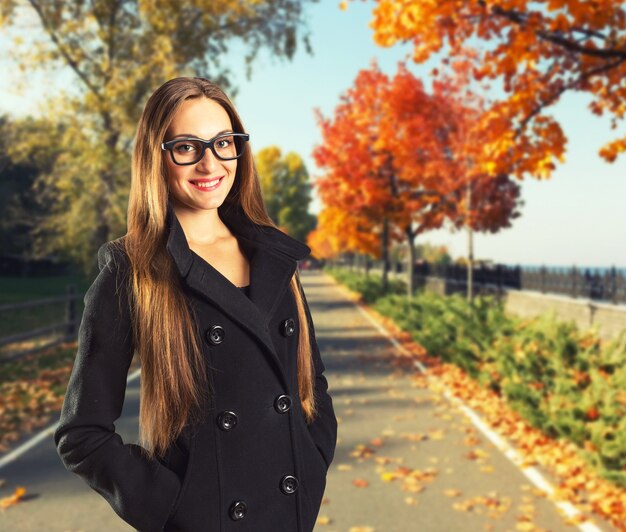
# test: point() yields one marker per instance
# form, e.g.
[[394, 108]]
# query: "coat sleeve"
[[141, 491], [323, 429]]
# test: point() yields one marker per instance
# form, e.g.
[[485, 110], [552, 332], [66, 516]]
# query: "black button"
[[288, 327], [215, 335], [288, 484], [282, 403], [226, 420], [238, 510]]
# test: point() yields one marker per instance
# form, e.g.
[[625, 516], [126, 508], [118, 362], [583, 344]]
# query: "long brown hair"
[[175, 388]]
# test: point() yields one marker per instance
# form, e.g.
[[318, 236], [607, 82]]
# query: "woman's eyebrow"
[[196, 136]]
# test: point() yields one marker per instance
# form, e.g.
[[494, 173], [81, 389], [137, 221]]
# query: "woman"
[[237, 429]]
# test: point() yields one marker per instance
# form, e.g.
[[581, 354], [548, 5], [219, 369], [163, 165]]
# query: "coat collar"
[[267, 238], [273, 257]]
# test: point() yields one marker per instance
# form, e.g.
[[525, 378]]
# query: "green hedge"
[[563, 381]]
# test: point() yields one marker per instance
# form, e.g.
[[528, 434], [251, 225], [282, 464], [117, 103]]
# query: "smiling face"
[[202, 118]]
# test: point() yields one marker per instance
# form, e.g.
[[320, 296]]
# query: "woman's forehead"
[[201, 117]]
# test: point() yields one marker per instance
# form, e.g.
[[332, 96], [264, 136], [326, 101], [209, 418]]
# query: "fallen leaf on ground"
[[417, 436], [362, 451], [436, 434], [11, 500], [323, 520], [472, 440]]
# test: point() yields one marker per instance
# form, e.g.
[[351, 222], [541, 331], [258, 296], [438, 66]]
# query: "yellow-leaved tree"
[[286, 190]]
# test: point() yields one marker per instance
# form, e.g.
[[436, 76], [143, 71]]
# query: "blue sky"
[[576, 218]]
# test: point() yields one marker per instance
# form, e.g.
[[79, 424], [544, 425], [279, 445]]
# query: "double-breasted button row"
[[215, 334], [227, 419], [288, 485]]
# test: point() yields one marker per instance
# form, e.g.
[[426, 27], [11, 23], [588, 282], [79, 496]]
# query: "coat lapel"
[[273, 259]]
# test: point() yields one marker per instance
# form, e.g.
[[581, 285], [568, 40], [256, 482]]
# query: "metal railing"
[[52, 334], [608, 285]]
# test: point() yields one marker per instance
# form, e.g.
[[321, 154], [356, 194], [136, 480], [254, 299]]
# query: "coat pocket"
[[180, 461], [314, 464], [318, 453], [314, 472]]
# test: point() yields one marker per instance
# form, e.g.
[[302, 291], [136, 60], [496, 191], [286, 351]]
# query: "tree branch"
[[55, 39], [556, 94], [553, 37], [111, 39]]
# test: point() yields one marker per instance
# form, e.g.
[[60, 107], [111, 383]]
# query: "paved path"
[[375, 400], [454, 479]]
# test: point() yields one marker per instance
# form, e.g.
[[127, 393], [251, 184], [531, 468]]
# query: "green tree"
[[119, 52], [21, 162], [286, 190]]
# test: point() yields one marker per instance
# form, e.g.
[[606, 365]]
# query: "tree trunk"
[[385, 253], [410, 236], [470, 251], [103, 204], [102, 230]]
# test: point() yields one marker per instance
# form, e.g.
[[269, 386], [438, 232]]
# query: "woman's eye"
[[180, 147], [225, 141]]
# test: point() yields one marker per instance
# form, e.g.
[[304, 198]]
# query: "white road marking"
[[44, 434]]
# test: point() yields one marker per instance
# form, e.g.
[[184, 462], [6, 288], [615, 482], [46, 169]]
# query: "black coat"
[[254, 464]]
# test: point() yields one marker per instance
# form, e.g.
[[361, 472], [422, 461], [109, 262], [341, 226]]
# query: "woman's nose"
[[208, 162]]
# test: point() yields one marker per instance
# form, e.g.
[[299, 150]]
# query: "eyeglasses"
[[190, 150]]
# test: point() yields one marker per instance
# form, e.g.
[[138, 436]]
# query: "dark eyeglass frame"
[[169, 146]]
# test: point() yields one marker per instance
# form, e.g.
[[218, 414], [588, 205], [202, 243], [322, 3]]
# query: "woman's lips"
[[200, 184]]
